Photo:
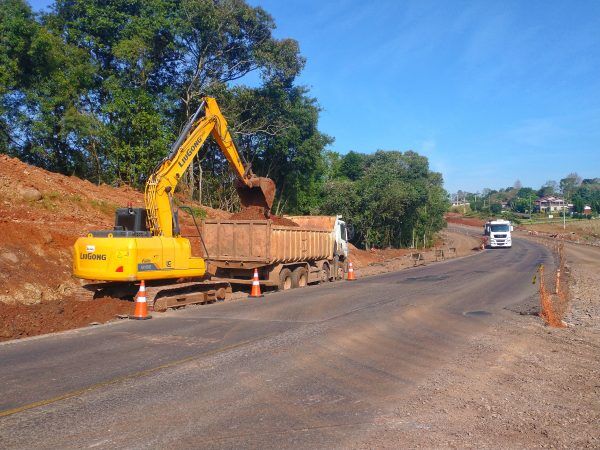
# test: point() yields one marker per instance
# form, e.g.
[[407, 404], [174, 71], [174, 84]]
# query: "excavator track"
[[162, 297]]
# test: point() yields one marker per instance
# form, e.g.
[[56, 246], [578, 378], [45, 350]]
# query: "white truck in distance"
[[498, 233]]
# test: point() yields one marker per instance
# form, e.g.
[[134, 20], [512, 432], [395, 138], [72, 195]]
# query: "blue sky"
[[490, 91]]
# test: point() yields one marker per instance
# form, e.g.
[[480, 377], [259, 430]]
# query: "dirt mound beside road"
[[18, 320]]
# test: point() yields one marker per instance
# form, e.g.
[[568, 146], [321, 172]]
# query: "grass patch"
[[102, 206], [198, 213], [48, 200]]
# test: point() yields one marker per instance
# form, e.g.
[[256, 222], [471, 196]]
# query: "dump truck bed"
[[314, 222], [260, 241]]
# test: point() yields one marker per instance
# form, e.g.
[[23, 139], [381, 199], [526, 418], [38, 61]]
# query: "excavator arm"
[[160, 187]]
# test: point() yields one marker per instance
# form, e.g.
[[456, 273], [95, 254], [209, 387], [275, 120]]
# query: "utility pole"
[[530, 207]]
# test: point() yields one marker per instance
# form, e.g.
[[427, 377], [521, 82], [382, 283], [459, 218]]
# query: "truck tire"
[[325, 274], [338, 269], [285, 279], [299, 277]]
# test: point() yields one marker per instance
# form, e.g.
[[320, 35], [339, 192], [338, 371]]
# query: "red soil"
[[363, 258], [18, 320], [460, 220], [41, 215], [254, 213]]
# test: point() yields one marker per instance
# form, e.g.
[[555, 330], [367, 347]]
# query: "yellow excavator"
[[146, 243]]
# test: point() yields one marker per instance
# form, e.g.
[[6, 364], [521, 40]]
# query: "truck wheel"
[[299, 277], [285, 280], [335, 276], [339, 267], [325, 274], [341, 273]]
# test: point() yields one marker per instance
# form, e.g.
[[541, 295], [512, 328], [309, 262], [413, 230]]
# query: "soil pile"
[[362, 258], [18, 320], [254, 213]]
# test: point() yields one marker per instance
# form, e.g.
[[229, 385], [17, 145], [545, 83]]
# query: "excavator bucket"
[[261, 193]]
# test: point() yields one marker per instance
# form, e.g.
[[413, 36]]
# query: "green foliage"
[[549, 188], [588, 193], [520, 205], [42, 79], [496, 208], [395, 196], [352, 165], [569, 185]]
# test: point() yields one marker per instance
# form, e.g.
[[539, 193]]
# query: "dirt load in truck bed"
[[254, 213]]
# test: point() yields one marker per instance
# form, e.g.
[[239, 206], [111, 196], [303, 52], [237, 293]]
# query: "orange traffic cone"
[[351, 276], [141, 307], [255, 292]]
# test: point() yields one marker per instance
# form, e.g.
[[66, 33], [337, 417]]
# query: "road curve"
[[314, 367]]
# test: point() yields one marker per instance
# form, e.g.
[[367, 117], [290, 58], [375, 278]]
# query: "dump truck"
[[286, 257]]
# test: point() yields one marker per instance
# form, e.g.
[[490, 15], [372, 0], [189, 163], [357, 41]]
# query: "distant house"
[[551, 204], [587, 210], [460, 203]]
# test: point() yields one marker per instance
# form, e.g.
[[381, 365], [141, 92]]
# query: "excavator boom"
[[253, 191]]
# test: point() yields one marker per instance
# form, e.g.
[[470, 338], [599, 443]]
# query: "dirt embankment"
[[581, 231], [459, 219]]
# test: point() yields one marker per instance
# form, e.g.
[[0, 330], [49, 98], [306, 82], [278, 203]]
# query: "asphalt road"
[[313, 367]]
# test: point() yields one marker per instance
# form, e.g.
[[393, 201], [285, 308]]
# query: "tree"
[[526, 193], [496, 208], [578, 204], [352, 165], [569, 184], [548, 188], [101, 88], [43, 94], [395, 196]]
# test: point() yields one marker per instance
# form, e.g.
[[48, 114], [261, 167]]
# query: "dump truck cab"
[[341, 232], [341, 235]]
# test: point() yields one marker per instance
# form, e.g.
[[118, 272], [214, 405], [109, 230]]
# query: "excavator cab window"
[[176, 229]]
